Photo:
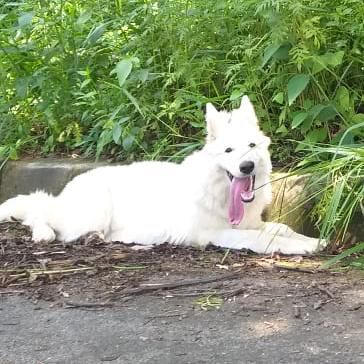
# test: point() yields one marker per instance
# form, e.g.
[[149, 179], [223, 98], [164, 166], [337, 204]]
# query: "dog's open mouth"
[[241, 191]]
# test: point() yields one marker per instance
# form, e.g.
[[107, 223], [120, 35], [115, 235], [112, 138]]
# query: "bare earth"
[[94, 302]]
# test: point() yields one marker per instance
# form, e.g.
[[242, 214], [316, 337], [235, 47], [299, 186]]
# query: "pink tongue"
[[236, 207]]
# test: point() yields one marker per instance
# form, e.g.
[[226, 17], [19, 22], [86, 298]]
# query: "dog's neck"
[[213, 180]]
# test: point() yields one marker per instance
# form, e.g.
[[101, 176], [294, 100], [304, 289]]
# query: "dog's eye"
[[228, 150], [252, 145]]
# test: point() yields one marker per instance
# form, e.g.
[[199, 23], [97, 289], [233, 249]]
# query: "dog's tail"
[[23, 207]]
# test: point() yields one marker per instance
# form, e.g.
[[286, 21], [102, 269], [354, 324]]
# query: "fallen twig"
[[295, 269], [168, 315], [71, 304], [12, 292], [325, 290], [23, 272], [172, 285], [234, 292], [320, 303]]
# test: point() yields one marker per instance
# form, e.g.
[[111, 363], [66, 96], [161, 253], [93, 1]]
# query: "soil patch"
[[97, 302], [93, 273]]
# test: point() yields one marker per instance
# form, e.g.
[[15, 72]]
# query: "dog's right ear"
[[212, 116]]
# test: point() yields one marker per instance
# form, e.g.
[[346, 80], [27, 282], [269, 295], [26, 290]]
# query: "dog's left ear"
[[245, 103], [212, 122], [247, 109]]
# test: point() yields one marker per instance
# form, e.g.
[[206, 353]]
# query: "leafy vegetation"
[[129, 78], [337, 175]]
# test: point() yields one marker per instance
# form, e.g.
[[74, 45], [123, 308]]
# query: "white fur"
[[155, 202]]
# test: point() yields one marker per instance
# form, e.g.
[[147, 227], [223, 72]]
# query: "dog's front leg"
[[276, 228], [259, 241]]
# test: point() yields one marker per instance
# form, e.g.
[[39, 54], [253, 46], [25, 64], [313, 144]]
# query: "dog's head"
[[240, 148]]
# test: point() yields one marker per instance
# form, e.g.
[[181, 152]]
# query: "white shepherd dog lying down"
[[213, 196]]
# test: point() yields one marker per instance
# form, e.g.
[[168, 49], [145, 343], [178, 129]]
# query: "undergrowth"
[[129, 78]]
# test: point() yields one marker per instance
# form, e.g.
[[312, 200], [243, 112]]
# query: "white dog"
[[216, 195]]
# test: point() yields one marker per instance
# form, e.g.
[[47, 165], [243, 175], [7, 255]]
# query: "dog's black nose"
[[246, 167]]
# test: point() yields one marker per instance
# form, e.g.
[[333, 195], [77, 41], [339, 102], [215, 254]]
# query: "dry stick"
[[71, 304], [235, 292], [177, 284], [224, 294], [325, 290], [12, 292], [295, 269]]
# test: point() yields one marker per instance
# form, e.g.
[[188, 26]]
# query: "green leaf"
[[25, 19], [269, 53], [327, 113], [83, 18], [277, 52], [298, 119], [339, 138], [133, 101], [21, 86], [282, 130], [95, 34], [326, 60], [236, 94], [116, 133], [128, 142], [342, 99], [357, 118], [323, 112], [335, 59], [306, 125], [283, 52], [279, 98], [296, 85], [143, 75], [316, 136], [123, 69], [124, 119], [85, 83], [104, 139]]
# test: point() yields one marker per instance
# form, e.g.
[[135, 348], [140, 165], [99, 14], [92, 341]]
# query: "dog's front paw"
[[312, 245], [321, 244], [43, 234]]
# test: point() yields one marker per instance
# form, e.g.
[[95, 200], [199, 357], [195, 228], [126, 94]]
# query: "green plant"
[[128, 78], [209, 302], [357, 262], [337, 172]]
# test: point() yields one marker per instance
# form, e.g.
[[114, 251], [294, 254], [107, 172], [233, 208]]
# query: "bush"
[[129, 78]]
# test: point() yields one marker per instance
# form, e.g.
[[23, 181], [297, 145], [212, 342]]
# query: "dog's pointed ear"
[[247, 109], [212, 116], [210, 110], [246, 105]]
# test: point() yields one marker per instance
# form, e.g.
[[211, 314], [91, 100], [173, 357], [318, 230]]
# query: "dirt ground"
[[176, 305]]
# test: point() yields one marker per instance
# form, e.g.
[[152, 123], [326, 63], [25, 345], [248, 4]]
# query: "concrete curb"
[[51, 175]]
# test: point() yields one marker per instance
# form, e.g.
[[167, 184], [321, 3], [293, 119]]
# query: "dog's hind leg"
[[41, 231], [33, 211], [82, 210]]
